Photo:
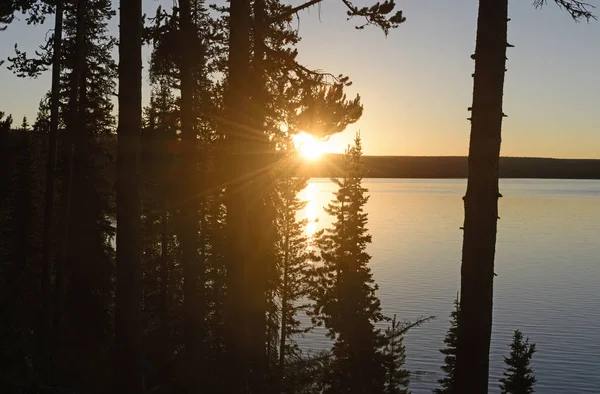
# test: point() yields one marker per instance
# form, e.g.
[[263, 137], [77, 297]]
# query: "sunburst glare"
[[309, 147]]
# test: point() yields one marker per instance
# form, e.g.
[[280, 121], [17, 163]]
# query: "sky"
[[415, 84]]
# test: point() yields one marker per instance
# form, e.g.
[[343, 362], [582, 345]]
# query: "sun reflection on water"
[[311, 210]]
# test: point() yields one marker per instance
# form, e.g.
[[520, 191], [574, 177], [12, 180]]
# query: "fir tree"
[[345, 300], [397, 378], [25, 124], [86, 195], [99, 71], [6, 123], [518, 376], [42, 119], [449, 352]]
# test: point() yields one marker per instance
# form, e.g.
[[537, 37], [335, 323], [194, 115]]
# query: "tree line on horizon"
[[211, 267]]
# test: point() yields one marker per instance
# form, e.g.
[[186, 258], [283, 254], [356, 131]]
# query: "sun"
[[309, 147]]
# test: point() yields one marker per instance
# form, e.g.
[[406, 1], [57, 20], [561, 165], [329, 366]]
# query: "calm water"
[[548, 267]]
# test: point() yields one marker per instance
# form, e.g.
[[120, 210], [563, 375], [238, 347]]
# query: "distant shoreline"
[[410, 167], [455, 167]]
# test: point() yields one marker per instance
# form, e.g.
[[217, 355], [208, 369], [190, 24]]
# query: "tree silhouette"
[[212, 263], [397, 378], [25, 124], [128, 330], [518, 376], [345, 300], [193, 268], [158, 257], [46, 312], [449, 352], [21, 231], [481, 198]]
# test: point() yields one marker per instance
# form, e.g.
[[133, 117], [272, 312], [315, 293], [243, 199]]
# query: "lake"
[[547, 262]]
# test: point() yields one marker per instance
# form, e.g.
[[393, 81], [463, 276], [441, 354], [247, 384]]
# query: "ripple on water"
[[546, 261]]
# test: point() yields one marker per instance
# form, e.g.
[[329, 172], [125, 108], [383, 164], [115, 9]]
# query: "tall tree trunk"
[[193, 315], [128, 327], [236, 107], [74, 124], [481, 200], [46, 300], [259, 215]]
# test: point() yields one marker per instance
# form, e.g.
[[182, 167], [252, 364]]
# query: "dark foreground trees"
[[212, 262]]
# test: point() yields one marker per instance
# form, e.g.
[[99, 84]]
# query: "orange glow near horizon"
[[309, 147]]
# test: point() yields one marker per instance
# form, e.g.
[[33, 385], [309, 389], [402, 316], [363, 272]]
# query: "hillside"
[[456, 167]]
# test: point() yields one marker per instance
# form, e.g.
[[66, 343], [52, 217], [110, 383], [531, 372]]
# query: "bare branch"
[[577, 9]]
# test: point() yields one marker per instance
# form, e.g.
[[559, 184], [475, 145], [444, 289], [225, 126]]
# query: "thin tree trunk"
[[164, 286], [284, 308], [236, 107], [46, 299], [189, 213], [128, 327], [481, 200]]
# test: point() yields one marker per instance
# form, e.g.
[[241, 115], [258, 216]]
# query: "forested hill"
[[456, 167]]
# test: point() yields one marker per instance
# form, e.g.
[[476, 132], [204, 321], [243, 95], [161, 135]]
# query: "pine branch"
[[577, 9], [288, 13], [375, 15], [408, 325]]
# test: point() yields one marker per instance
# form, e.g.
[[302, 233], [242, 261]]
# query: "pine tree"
[[42, 119], [98, 72], [518, 376], [345, 300], [25, 124], [5, 124], [85, 261], [397, 378], [449, 352]]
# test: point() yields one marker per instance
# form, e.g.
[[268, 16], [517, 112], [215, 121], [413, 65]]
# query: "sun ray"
[[309, 147]]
